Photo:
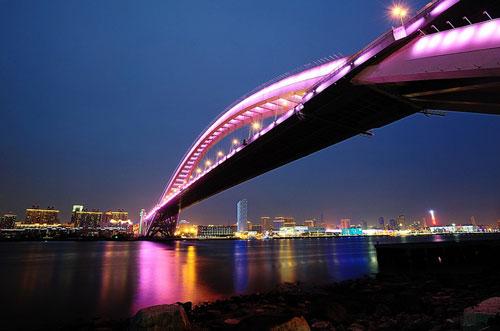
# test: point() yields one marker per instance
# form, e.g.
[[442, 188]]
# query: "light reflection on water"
[[59, 281]]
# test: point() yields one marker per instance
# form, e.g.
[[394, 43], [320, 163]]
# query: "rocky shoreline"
[[416, 301]]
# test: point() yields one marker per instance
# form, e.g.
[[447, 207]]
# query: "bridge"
[[446, 57]]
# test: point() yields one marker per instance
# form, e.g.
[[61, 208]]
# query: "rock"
[[232, 321], [331, 311], [322, 325], [356, 327], [188, 306], [161, 317], [295, 324], [477, 317]]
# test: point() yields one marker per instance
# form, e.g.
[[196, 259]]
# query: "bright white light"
[[255, 125]]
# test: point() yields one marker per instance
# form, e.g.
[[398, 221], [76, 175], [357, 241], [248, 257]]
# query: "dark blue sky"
[[99, 100]]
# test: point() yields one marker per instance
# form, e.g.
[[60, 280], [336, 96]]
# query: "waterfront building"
[[216, 231], [392, 224], [257, 228], [142, 214], [82, 218], [401, 222], [186, 229], [8, 221], [77, 208], [498, 224], [352, 231], [242, 215], [345, 223], [37, 215], [310, 223], [289, 221], [266, 224], [364, 225], [381, 223], [118, 218]]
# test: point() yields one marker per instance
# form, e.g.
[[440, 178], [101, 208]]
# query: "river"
[[43, 282]]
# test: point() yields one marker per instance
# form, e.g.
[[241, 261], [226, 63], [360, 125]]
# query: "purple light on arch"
[[467, 38], [443, 6], [415, 25]]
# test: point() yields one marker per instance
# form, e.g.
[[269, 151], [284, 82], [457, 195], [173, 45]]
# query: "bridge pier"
[[163, 225]]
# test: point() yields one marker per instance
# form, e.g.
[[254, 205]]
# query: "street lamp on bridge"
[[399, 11]]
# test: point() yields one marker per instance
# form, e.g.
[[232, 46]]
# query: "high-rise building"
[[118, 218], [8, 221], [37, 215], [401, 221], [393, 225], [498, 224], [364, 225], [87, 219], [249, 226], [345, 223], [242, 215], [473, 220], [266, 224], [142, 214], [381, 223]]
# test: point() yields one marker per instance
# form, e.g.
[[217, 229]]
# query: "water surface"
[[43, 282]]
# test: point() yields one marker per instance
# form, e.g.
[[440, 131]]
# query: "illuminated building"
[[310, 223], [277, 224], [36, 215], [242, 215], [265, 223], [8, 221], [401, 222], [117, 218], [281, 221], [364, 225], [289, 221], [77, 208], [498, 224], [381, 223], [185, 229], [214, 231], [352, 231], [142, 214], [257, 228], [345, 223], [82, 218], [249, 226], [393, 225]]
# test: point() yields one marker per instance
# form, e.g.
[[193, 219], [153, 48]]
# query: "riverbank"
[[384, 302]]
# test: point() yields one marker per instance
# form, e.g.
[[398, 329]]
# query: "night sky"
[[99, 100]]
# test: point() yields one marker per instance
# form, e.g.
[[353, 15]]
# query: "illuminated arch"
[[272, 99]]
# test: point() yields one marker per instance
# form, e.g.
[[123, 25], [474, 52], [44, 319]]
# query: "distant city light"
[[433, 217]]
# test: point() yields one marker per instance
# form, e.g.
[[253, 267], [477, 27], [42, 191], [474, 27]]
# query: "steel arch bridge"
[[446, 57]]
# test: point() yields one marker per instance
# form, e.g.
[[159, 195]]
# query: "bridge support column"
[[163, 226]]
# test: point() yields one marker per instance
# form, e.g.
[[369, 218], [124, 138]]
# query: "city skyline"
[[117, 149]]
